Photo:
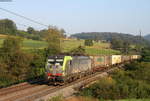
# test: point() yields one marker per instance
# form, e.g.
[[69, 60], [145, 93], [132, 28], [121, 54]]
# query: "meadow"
[[68, 45]]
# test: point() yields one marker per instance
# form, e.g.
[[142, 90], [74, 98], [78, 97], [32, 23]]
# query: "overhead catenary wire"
[[19, 15], [19, 23], [27, 26], [22, 24]]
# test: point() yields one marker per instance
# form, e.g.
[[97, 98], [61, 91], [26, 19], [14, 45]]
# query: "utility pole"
[[140, 35], [140, 32]]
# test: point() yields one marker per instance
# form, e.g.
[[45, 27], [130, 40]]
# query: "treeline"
[[9, 27], [109, 36], [133, 82], [126, 47], [18, 66]]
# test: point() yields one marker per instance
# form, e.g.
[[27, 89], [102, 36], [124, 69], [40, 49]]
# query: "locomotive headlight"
[[49, 74]]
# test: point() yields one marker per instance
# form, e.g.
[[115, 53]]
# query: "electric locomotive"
[[61, 69]]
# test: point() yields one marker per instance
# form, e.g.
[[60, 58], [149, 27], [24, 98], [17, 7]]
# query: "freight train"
[[61, 69]]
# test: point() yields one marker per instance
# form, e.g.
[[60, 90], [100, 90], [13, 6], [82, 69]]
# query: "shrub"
[[132, 83], [88, 42]]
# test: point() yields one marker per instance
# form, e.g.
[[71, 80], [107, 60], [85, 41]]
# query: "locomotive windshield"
[[55, 62], [54, 66]]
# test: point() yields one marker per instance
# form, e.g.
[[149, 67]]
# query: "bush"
[[132, 83], [17, 66], [37, 65], [104, 89], [78, 51], [88, 42]]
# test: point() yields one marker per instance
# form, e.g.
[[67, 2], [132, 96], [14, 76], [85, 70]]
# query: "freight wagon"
[[115, 59], [125, 58], [61, 69], [100, 61], [106, 60], [134, 57]]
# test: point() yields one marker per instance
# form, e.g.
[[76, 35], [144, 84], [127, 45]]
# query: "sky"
[[75, 16]]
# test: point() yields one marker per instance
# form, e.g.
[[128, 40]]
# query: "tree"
[[43, 33], [78, 51], [37, 64], [15, 62], [53, 38], [116, 44], [88, 42], [145, 54], [12, 44], [126, 47], [121, 45], [30, 30], [7, 27], [62, 32]]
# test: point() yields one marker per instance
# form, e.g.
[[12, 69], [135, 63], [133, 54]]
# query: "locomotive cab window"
[[55, 62], [51, 61], [59, 61]]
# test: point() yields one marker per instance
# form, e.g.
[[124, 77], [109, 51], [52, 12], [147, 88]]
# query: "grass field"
[[135, 100], [93, 51], [67, 45], [32, 44], [97, 48]]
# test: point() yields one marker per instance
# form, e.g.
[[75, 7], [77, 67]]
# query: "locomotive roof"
[[56, 57]]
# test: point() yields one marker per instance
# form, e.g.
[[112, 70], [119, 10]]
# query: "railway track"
[[13, 86], [18, 87], [15, 89], [32, 92], [17, 96]]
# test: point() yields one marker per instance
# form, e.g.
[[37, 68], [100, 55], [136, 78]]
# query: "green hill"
[[108, 36]]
